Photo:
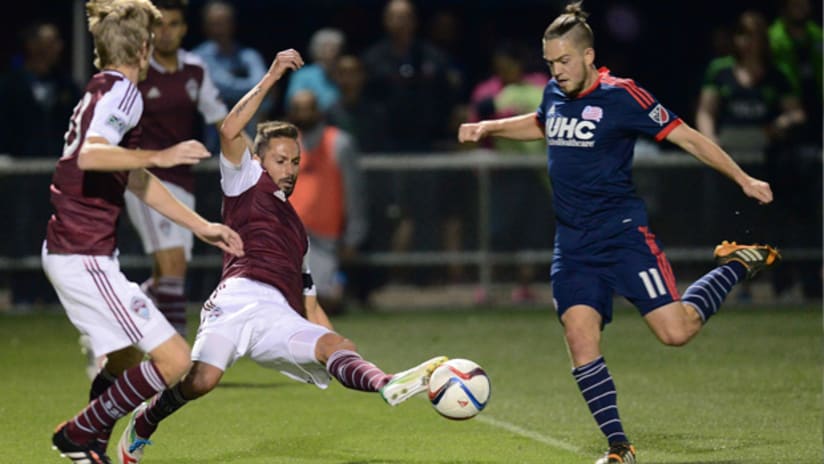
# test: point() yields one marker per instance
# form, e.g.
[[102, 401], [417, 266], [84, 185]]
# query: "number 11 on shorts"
[[653, 282]]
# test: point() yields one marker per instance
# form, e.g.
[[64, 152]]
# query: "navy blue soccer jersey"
[[590, 141]]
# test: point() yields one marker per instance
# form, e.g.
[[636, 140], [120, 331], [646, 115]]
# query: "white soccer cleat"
[[130, 447], [409, 383]]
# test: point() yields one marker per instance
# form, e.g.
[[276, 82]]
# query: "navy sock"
[[598, 389], [707, 293]]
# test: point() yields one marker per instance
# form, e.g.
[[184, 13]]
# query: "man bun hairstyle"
[[573, 22]]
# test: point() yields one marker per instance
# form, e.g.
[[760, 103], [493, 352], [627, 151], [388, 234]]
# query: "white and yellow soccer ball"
[[459, 389]]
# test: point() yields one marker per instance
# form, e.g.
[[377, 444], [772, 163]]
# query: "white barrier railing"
[[481, 162]]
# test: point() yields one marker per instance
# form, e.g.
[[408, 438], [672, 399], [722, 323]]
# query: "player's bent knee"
[[674, 337], [330, 343], [173, 358]]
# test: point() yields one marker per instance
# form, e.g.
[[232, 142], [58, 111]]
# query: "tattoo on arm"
[[242, 104]]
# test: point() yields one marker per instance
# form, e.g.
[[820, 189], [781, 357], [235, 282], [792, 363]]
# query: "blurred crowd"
[[406, 93]]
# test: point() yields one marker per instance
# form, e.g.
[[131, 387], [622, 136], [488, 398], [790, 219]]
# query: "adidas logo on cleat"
[[754, 258]]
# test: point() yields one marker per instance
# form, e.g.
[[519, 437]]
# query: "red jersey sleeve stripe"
[[636, 94], [666, 130], [644, 93], [640, 95]]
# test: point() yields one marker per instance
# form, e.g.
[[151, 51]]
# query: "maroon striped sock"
[[101, 382], [129, 390], [168, 293], [352, 371]]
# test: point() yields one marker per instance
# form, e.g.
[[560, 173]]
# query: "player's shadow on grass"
[[701, 462], [255, 386]]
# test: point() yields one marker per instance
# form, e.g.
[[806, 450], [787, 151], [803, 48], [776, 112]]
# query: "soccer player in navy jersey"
[[265, 306], [79, 254], [603, 243]]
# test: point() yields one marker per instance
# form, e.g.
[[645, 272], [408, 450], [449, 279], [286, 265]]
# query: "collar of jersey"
[[601, 72]]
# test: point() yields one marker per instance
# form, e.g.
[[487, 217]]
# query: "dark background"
[[674, 41]]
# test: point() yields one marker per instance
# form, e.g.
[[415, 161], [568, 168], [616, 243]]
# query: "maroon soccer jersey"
[[274, 240], [87, 204], [174, 104]]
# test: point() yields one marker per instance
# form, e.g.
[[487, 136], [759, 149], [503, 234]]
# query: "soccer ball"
[[459, 389]]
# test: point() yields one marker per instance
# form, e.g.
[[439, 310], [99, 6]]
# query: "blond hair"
[[272, 130], [120, 28], [574, 23]]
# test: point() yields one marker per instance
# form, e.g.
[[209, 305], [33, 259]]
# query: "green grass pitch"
[[746, 390]]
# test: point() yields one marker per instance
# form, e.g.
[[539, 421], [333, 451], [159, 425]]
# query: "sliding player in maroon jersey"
[[265, 306]]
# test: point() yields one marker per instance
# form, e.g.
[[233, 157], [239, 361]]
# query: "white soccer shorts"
[[156, 231], [244, 317], [103, 304]]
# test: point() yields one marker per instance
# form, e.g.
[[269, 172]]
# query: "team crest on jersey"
[[592, 113], [139, 307], [191, 89], [659, 115], [214, 313]]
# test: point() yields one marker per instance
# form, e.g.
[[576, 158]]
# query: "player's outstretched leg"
[[354, 372], [623, 453], [410, 382]]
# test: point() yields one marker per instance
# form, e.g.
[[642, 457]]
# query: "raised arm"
[[232, 143], [711, 154], [149, 189], [97, 154], [523, 127]]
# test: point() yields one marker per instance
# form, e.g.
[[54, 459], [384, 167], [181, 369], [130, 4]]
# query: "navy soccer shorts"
[[631, 264]]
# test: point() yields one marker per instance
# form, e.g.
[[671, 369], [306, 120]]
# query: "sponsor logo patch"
[[116, 123]]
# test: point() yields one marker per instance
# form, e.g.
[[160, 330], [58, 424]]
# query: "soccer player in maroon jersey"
[[80, 251], [178, 93], [265, 306]]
